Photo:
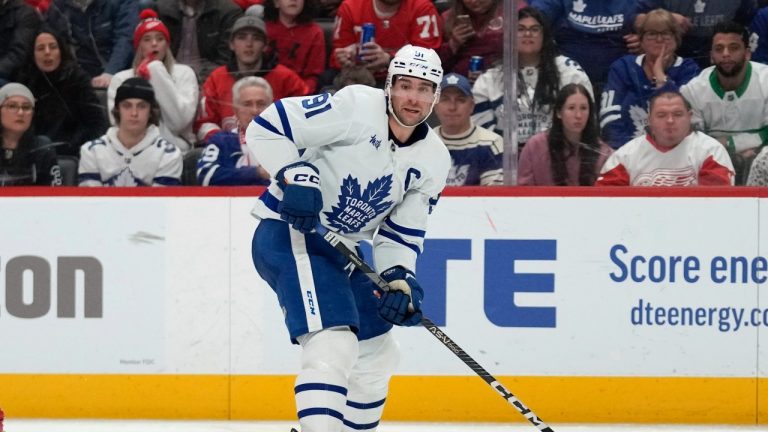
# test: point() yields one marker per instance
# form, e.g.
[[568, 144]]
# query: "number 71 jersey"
[[368, 179]]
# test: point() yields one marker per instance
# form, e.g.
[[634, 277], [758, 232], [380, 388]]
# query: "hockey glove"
[[302, 199], [403, 291]]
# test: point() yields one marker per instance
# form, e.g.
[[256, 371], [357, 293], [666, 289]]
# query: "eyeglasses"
[[652, 34], [532, 30], [14, 107]]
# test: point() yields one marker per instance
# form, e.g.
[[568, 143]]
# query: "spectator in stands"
[[729, 99], [541, 74], [133, 153], [397, 23], [570, 153], [472, 28], [298, 40], [67, 109], [249, 37], [174, 83], [475, 151], [758, 39], [18, 24], [200, 31], [100, 31], [671, 154], [227, 160], [594, 33], [633, 79], [758, 173], [697, 19], [28, 159]]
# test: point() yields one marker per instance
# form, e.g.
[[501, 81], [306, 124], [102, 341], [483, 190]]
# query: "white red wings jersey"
[[416, 22], [698, 160], [368, 179]]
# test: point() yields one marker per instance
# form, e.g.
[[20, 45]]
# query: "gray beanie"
[[15, 89]]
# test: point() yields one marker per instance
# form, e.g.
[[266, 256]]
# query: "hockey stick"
[[361, 265]]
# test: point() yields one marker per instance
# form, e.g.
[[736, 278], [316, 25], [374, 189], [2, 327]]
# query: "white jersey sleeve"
[[571, 73], [488, 92], [298, 123], [171, 164], [88, 169]]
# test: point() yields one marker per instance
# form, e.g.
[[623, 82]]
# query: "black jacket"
[[32, 163], [18, 26], [66, 109]]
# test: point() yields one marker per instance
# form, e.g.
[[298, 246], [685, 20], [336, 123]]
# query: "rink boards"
[[621, 308]]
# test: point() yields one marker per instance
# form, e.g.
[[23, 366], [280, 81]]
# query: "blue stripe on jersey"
[[266, 125], [89, 176], [396, 238], [404, 230], [320, 411], [320, 386], [167, 181], [359, 405], [284, 120], [356, 426], [270, 201]]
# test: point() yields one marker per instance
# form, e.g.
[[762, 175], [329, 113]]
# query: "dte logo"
[[501, 280], [38, 270]]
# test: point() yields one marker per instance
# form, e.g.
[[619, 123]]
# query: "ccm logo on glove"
[[311, 178], [302, 199]]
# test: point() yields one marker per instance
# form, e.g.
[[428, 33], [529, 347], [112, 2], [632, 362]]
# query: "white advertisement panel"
[[527, 286], [84, 285], [548, 286]]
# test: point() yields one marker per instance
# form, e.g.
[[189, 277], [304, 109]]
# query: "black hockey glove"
[[302, 199], [403, 291]]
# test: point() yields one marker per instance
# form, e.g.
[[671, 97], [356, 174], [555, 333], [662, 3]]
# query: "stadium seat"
[[189, 172], [68, 166]]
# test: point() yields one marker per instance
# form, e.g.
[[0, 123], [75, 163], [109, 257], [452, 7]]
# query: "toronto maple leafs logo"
[[356, 208], [375, 142]]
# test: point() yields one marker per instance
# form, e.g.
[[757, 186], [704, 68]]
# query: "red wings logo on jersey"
[[667, 177]]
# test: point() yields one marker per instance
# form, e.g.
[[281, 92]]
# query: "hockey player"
[[671, 154], [132, 153], [360, 160]]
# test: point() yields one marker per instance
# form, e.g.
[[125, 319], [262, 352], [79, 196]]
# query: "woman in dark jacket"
[[67, 110], [26, 159]]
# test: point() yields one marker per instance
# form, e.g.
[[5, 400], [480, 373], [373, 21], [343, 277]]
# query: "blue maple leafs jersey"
[[368, 179]]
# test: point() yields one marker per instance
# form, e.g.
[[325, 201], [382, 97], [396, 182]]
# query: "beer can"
[[369, 31], [476, 64]]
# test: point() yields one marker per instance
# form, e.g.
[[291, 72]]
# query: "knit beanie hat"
[[149, 22], [134, 88], [15, 89]]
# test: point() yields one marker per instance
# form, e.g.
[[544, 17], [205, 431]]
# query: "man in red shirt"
[[397, 22], [247, 42]]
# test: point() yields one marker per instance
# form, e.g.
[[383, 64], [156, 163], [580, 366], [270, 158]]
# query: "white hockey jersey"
[[698, 160], [488, 92], [741, 114], [152, 162], [368, 179]]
